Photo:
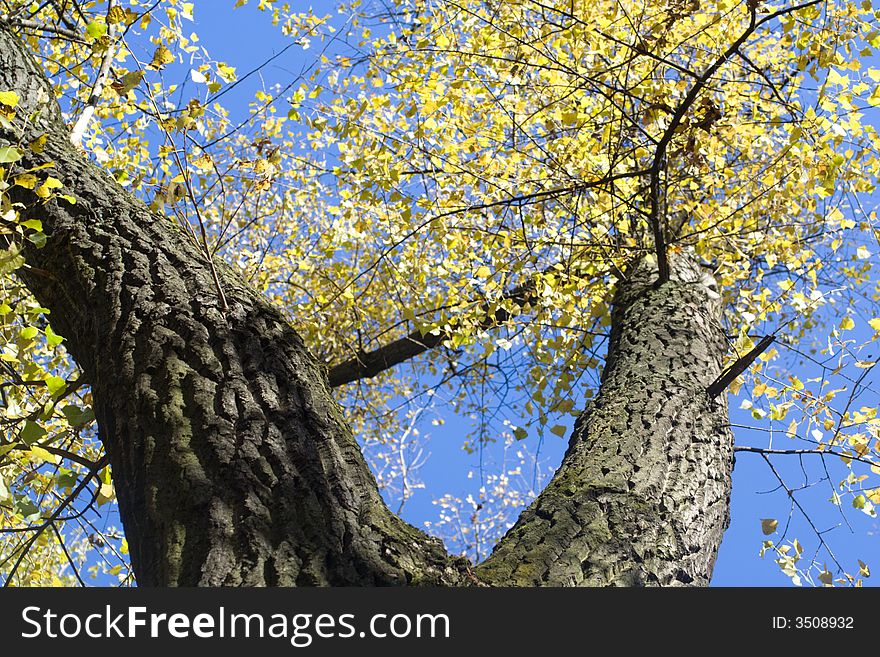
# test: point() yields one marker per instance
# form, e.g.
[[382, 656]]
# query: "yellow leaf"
[[44, 455], [203, 162], [26, 180], [115, 14], [45, 190], [161, 57], [847, 323], [226, 72], [837, 79], [8, 98], [38, 144], [768, 526], [127, 82]]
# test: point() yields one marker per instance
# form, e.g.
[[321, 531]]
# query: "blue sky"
[[245, 39]]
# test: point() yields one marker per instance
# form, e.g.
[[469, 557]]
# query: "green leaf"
[[519, 433], [52, 338], [66, 479], [9, 154], [31, 432], [38, 239], [96, 29], [77, 416], [26, 508], [44, 455], [56, 385]]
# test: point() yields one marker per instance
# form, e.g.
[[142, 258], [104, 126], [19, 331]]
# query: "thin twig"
[[67, 554], [816, 452], [51, 519], [800, 508]]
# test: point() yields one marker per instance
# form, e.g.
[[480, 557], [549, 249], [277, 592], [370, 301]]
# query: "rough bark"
[[642, 496], [233, 464]]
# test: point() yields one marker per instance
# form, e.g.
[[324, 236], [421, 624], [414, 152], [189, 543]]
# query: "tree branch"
[[659, 162], [368, 365], [798, 452], [82, 123], [739, 366], [63, 453], [232, 462], [42, 27]]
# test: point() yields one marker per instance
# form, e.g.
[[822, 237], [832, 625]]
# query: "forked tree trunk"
[[233, 464]]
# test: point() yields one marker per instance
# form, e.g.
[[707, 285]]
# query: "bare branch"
[[63, 453], [739, 366], [67, 555], [42, 27], [660, 154], [82, 123], [368, 365], [800, 452]]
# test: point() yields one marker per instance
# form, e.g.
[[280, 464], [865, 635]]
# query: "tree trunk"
[[642, 496], [233, 464]]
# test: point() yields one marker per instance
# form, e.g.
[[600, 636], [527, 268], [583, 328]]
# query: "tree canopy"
[[441, 204]]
